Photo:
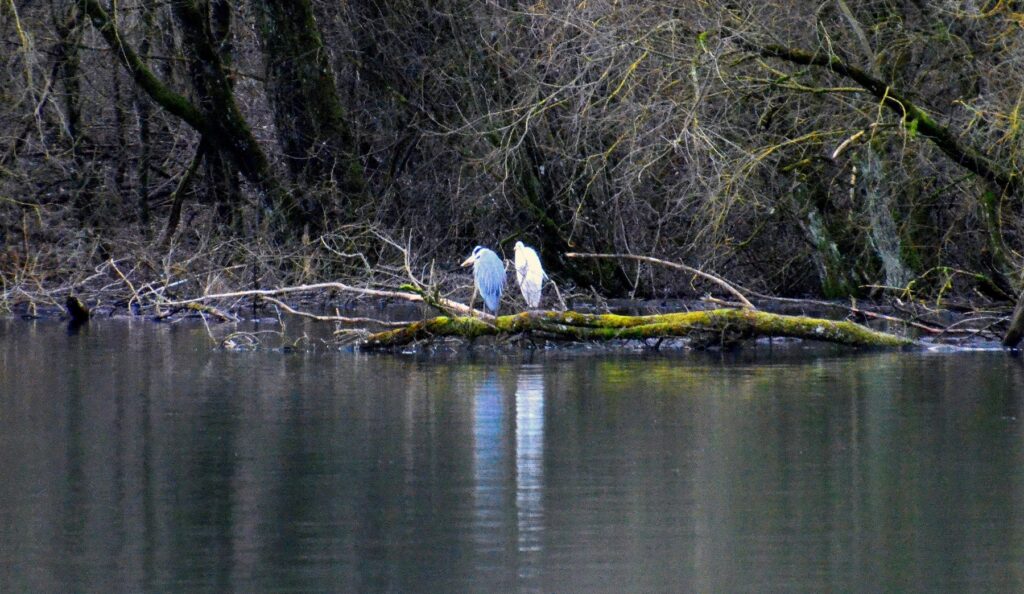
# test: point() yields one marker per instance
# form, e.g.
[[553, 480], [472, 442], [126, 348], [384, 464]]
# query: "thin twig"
[[135, 294], [453, 305], [720, 282], [854, 310], [340, 319]]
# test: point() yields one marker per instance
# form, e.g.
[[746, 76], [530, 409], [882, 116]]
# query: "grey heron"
[[488, 276], [529, 273]]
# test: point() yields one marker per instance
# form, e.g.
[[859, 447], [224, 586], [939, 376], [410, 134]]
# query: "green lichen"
[[728, 324]]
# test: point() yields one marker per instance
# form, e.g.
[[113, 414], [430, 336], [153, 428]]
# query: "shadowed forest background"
[[834, 148]]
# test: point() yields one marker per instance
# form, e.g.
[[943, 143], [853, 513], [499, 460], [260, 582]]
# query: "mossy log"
[[721, 326]]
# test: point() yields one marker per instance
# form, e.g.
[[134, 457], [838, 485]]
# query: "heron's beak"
[[468, 261]]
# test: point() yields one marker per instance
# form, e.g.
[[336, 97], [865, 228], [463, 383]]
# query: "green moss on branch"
[[728, 324]]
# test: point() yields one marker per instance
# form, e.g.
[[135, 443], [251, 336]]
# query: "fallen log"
[[721, 326]]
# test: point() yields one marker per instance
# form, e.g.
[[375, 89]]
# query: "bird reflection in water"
[[530, 464], [490, 457], [509, 468]]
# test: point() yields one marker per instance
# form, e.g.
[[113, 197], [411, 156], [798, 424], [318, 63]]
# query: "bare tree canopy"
[[835, 149]]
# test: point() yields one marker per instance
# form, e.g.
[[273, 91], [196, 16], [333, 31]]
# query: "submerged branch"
[[320, 318]]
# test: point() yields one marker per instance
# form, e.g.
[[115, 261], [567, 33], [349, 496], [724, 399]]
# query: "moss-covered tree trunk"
[[1003, 180], [834, 274], [883, 233], [541, 211], [722, 326], [224, 191], [312, 126], [205, 30]]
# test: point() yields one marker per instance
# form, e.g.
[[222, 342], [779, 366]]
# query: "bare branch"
[[720, 282], [447, 303], [339, 319]]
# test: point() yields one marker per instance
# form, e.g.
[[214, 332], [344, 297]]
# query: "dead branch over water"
[[444, 305], [718, 281]]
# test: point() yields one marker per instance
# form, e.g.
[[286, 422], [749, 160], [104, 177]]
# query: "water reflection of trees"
[[158, 466]]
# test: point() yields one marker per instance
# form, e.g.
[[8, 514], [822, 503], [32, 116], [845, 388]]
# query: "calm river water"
[[135, 458]]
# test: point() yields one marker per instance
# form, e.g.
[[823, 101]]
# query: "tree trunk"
[[205, 29], [1003, 180], [216, 116], [723, 327], [884, 235], [540, 206], [68, 60], [834, 274], [69, 39], [312, 126], [1016, 332], [144, 113]]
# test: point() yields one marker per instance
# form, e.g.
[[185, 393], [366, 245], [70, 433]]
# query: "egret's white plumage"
[[529, 273]]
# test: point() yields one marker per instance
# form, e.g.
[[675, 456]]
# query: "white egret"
[[530, 274]]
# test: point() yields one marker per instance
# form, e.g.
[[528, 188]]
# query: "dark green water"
[[134, 458]]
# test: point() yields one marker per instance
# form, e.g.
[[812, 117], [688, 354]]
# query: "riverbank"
[[255, 323]]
